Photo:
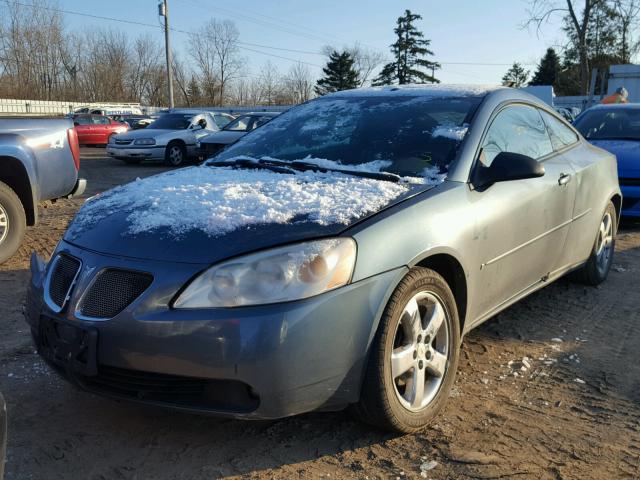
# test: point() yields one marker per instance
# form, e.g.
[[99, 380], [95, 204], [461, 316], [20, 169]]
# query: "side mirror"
[[196, 126], [75, 124], [505, 167]]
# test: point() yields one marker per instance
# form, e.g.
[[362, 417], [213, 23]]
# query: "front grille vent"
[[112, 291], [631, 182], [63, 274], [123, 142]]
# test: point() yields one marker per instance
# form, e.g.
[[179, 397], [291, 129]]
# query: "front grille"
[[112, 291], [65, 269], [123, 142], [630, 182], [222, 395]]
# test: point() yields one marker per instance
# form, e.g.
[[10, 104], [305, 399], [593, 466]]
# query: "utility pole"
[[163, 11]]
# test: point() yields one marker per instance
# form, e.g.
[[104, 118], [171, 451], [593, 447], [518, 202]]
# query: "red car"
[[96, 129]]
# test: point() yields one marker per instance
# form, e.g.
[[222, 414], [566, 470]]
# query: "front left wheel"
[[414, 355], [175, 154], [13, 222]]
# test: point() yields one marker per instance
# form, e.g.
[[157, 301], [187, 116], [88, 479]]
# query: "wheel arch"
[[617, 202], [14, 174], [450, 268]]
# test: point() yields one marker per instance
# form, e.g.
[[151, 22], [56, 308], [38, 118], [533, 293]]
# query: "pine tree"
[[194, 95], [339, 74], [410, 52], [516, 76], [548, 69]]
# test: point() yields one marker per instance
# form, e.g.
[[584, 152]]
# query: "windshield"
[[609, 124], [172, 121], [410, 134], [240, 124]]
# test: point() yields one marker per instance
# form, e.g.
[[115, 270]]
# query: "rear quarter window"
[[561, 135]]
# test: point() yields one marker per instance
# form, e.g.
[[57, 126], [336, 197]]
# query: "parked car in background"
[[111, 109], [135, 122], [171, 138], [232, 131], [96, 129], [39, 160], [334, 256], [616, 128]]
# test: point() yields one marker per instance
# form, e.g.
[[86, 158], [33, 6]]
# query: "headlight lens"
[[272, 276], [144, 141]]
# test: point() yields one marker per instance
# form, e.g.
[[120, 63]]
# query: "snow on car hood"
[[207, 213]]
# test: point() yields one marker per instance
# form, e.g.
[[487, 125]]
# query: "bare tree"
[[299, 83], [366, 61], [627, 13], [215, 50], [271, 83], [542, 10]]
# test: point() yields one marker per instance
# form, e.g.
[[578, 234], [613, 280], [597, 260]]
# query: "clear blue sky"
[[485, 31]]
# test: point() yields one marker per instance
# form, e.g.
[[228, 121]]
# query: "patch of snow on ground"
[[454, 132], [219, 200]]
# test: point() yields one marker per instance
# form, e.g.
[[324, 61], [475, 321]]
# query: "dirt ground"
[[572, 414]]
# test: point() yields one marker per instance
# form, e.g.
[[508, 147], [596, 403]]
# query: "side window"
[[561, 135], [82, 120], [221, 120], [516, 129], [101, 120]]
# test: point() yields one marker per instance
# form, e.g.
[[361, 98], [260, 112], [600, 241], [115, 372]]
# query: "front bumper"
[[155, 152], [631, 200], [290, 358]]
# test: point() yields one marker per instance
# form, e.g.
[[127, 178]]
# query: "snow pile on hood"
[[429, 90], [454, 132], [219, 200]]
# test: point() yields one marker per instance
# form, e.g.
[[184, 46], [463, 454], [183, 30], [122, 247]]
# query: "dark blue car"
[[616, 128]]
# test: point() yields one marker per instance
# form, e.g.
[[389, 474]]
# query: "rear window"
[[411, 133], [172, 121]]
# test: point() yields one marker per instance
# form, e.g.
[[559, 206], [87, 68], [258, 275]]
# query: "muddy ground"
[[573, 414]]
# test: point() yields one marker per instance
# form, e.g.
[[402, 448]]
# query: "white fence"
[[43, 107], [36, 107]]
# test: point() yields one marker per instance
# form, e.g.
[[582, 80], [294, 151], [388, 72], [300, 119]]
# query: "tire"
[[175, 155], [392, 403], [13, 222], [596, 270]]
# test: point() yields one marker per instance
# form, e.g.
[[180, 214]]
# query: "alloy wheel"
[[175, 155], [604, 245], [420, 355], [4, 224]]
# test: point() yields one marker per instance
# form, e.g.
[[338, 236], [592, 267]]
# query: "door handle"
[[564, 179]]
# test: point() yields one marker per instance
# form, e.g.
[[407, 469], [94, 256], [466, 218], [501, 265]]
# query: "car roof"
[[259, 114], [435, 90], [621, 106]]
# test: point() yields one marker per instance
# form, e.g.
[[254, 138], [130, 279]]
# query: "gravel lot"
[[572, 414]]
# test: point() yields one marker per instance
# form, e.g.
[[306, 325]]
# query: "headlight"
[[272, 276], [144, 141]]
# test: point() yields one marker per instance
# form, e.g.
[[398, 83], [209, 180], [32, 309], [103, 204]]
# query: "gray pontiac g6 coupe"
[[334, 257]]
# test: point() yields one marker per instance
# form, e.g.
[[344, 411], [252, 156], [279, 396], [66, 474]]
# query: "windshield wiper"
[[303, 166], [250, 163]]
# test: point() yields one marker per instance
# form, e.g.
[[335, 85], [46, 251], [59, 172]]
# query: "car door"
[[520, 225], [82, 125], [101, 129]]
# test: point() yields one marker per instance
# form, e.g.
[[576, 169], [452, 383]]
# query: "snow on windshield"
[[454, 132], [220, 200]]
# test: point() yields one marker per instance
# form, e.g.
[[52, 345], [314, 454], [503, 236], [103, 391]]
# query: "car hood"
[[222, 137], [627, 152], [206, 214]]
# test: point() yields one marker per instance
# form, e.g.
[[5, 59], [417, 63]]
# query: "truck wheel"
[[13, 222], [175, 155], [414, 355]]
